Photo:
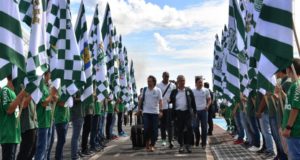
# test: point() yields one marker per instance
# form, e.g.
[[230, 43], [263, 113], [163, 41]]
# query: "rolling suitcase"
[[137, 135]]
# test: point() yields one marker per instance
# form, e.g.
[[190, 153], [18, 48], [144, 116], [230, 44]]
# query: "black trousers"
[[28, 145], [108, 124], [210, 120], [9, 151], [120, 121], [184, 126], [130, 117], [87, 126], [166, 125]]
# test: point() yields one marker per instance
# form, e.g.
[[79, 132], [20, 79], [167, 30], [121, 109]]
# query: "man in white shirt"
[[203, 100], [183, 102], [166, 121], [151, 107]]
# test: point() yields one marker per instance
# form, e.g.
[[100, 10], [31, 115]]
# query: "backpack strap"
[[143, 97]]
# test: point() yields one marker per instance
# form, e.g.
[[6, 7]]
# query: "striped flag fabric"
[[133, 83], [37, 58], [274, 38], [99, 61], [11, 39], [83, 43], [217, 69], [66, 62], [109, 42], [129, 85], [122, 72]]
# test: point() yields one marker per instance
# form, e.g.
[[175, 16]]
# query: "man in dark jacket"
[[184, 107]]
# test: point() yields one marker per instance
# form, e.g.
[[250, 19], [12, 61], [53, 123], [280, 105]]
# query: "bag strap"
[[166, 90], [143, 97]]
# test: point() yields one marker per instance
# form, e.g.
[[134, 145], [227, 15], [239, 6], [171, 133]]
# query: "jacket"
[[190, 99]]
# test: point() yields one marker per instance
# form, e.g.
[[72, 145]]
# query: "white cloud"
[[162, 44]]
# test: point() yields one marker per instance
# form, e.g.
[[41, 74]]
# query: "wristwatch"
[[288, 127]]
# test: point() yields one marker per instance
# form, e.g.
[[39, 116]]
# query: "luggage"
[[137, 136]]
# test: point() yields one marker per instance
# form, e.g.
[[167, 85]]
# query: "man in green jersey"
[[10, 135], [291, 117]]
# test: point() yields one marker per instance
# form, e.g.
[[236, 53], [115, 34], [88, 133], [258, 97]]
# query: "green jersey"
[[293, 102], [44, 113], [121, 107], [97, 108], [61, 114], [9, 123], [28, 118], [110, 107]]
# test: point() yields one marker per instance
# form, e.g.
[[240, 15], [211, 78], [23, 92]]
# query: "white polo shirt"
[[201, 96], [166, 97], [151, 101], [181, 102]]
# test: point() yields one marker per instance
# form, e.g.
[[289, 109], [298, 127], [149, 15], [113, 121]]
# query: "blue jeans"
[[42, 143], [150, 127], [246, 126], [77, 126], [100, 136], [9, 151], [50, 141], [94, 130], [254, 131], [266, 131], [293, 147], [61, 130], [202, 120], [112, 125], [239, 126], [276, 136]]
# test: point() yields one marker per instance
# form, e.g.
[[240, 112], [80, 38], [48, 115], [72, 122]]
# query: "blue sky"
[[166, 35]]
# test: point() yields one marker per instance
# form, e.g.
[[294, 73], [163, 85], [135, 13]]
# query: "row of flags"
[[256, 43], [93, 62]]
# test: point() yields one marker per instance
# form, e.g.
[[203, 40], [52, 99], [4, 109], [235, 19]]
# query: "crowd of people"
[[274, 116], [177, 110]]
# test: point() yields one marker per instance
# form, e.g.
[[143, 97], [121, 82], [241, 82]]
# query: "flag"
[[122, 72], [108, 35], [99, 61], [274, 38], [83, 43], [37, 59], [11, 42], [66, 62], [129, 85], [134, 91], [217, 69]]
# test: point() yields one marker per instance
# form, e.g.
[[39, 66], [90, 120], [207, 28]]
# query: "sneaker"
[[171, 145], [163, 143], [253, 149], [188, 149], [204, 147], [87, 152], [239, 141], [152, 149], [181, 150], [114, 137], [268, 155], [261, 151], [235, 137]]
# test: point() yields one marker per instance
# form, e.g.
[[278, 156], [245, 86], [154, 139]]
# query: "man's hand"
[[286, 133], [160, 114]]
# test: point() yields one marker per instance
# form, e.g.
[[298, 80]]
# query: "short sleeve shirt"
[[181, 102], [163, 88], [151, 101], [201, 96]]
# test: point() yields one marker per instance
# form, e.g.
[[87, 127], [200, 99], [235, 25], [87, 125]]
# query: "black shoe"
[[171, 145], [209, 133], [81, 155], [188, 149], [87, 152], [203, 147], [181, 150], [261, 151]]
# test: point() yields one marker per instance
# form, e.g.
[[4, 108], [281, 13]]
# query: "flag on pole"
[[122, 72], [274, 38], [217, 69], [132, 78], [11, 39], [99, 62], [83, 43], [66, 62], [37, 59], [129, 85], [108, 35]]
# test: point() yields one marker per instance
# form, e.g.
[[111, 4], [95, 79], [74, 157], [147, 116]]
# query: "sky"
[[167, 35]]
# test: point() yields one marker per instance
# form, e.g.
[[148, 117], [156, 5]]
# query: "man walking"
[[203, 101], [183, 102], [166, 121]]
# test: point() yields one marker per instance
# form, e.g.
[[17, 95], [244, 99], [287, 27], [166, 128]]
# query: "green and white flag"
[[133, 83], [108, 35], [232, 52], [83, 43], [129, 85], [66, 62], [37, 59], [99, 61], [122, 72], [274, 38], [11, 39], [217, 69]]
